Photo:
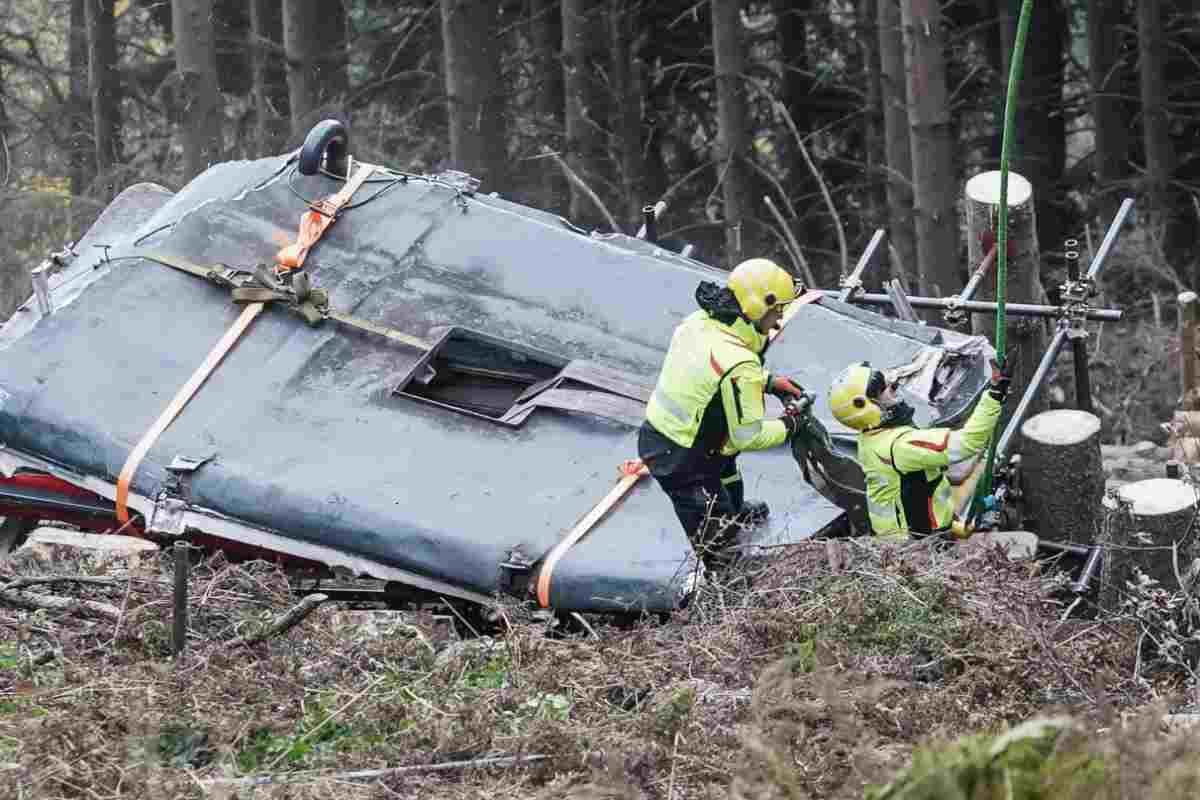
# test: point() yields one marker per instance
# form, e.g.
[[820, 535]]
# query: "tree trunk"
[[196, 63], [314, 36], [474, 95], [81, 155], [1062, 478], [272, 116], [1026, 339], [873, 134], [586, 110], [105, 85], [732, 135], [549, 100], [939, 269], [893, 96], [1039, 144], [1152, 48], [1109, 113], [624, 28], [1143, 522]]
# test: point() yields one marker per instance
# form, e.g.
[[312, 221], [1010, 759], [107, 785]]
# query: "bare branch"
[[837, 220], [295, 615], [793, 246], [583, 187]]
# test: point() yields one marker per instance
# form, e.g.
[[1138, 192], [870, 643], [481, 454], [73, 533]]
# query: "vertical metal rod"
[[1083, 377], [1035, 386], [40, 277], [1110, 239], [180, 617], [904, 309], [864, 261]]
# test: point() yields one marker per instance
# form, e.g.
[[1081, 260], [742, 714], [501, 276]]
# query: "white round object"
[[1156, 496], [985, 188], [1061, 426]]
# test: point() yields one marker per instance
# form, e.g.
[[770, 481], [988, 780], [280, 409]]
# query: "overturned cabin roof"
[[325, 443]]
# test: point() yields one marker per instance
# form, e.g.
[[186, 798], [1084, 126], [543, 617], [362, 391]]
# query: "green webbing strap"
[[1010, 109]]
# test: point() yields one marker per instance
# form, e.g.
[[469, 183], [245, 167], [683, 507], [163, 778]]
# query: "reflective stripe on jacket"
[[905, 468], [710, 362]]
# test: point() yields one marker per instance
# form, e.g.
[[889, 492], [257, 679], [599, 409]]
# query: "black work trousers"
[[707, 492]]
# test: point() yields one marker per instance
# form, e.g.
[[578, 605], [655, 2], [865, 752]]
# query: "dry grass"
[[811, 677]]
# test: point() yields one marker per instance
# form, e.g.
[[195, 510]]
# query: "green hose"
[[1010, 113]]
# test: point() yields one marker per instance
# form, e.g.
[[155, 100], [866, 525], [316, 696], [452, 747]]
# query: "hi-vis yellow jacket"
[[905, 467], [709, 359]]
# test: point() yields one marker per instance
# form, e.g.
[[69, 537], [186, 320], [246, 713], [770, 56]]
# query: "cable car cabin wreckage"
[[428, 386]]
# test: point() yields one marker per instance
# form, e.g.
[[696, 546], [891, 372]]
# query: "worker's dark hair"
[[719, 302]]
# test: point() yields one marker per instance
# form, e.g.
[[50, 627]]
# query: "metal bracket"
[[1076, 302], [954, 315], [851, 286], [167, 518]]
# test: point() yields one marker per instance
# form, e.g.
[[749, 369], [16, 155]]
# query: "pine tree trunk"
[[1109, 113], [627, 120], [586, 110], [732, 135], [80, 154], [1040, 146], [894, 99], [1062, 478], [196, 63], [549, 101], [1152, 47], [474, 94], [105, 87], [939, 269], [1142, 524], [314, 36], [271, 109], [873, 134]]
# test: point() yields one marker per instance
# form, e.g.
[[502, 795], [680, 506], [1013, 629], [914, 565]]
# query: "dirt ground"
[[814, 675]]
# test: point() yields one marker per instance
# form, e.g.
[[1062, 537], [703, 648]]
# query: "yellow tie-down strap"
[[631, 472]]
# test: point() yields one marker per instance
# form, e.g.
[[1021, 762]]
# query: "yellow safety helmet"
[[854, 394], [759, 284]]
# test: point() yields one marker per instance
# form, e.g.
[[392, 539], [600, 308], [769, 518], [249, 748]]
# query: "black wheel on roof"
[[328, 141]]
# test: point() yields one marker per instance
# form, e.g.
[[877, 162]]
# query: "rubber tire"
[[329, 141]]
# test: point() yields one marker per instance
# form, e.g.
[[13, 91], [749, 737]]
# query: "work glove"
[[998, 387], [785, 388], [792, 415]]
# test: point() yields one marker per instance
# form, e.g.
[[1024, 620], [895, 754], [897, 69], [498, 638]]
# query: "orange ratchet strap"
[[316, 220], [631, 472], [312, 226]]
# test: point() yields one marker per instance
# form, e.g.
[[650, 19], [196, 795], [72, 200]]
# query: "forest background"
[[786, 128]]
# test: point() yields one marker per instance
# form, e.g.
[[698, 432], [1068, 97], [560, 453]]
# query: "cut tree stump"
[[1143, 522], [1062, 476], [1026, 337]]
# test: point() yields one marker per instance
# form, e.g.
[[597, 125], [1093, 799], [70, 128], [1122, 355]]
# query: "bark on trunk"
[[1142, 524], [271, 108], [81, 155], [1109, 114], [939, 271], [873, 120], [894, 100], [586, 109], [196, 63], [546, 33], [1155, 133], [732, 135], [1062, 478], [314, 35], [624, 28], [474, 94], [105, 87], [1026, 336]]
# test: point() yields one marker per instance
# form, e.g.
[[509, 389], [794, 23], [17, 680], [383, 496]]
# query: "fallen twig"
[[583, 187], [64, 604], [369, 774], [295, 615]]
